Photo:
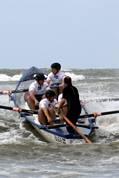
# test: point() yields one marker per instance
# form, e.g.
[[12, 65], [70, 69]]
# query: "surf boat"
[[56, 133]]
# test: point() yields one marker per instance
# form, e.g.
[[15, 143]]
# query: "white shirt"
[[38, 89], [55, 78], [45, 103]]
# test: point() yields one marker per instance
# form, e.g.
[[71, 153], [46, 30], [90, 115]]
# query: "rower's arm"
[[62, 102], [32, 95]]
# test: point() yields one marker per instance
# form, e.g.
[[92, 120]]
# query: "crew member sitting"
[[47, 108], [70, 102], [55, 78], [36, 91]]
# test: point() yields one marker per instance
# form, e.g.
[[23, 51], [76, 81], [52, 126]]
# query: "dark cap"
[[56, 65], [49, 93], [39, 76]]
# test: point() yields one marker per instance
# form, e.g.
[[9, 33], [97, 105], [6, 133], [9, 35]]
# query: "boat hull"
[[58, 132]]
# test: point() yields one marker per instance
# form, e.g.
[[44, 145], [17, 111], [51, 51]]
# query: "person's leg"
[[41, 117], [52, 114], [29, 100]]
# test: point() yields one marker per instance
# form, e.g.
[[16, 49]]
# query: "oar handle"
[[29, 111]]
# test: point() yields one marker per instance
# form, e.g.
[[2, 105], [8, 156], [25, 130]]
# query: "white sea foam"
[[74, 76], [5, 77], [16, 77]]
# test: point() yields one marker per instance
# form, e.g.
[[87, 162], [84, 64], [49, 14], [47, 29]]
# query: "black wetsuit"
[[70, 93]]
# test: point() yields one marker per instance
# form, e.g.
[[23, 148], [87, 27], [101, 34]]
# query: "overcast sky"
[[76, 33]]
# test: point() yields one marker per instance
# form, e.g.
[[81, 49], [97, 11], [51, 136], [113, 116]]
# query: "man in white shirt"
[[55, 78], [36, 91], [47, 108]]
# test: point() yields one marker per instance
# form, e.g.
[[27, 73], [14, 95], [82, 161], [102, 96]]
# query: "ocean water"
[[24, 155]]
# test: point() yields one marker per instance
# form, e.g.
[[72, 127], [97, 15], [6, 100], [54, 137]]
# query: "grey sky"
[[76, 33]]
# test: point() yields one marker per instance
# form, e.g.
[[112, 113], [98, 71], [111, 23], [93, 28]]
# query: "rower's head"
[[39, 78], [50, 95], [67, 81], [55, 67]]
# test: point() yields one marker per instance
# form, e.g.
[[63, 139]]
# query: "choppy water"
[[23, 155]]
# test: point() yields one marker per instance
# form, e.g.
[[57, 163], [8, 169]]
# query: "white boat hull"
[[58, 135]]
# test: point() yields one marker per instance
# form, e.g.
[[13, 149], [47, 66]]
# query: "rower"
[[36, 91], [46, 113], [70, 102], [55, 78]]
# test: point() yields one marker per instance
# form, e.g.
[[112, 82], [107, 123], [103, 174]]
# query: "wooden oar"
[[99, 114], [7, 92], [76, 129], [17, 109]]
